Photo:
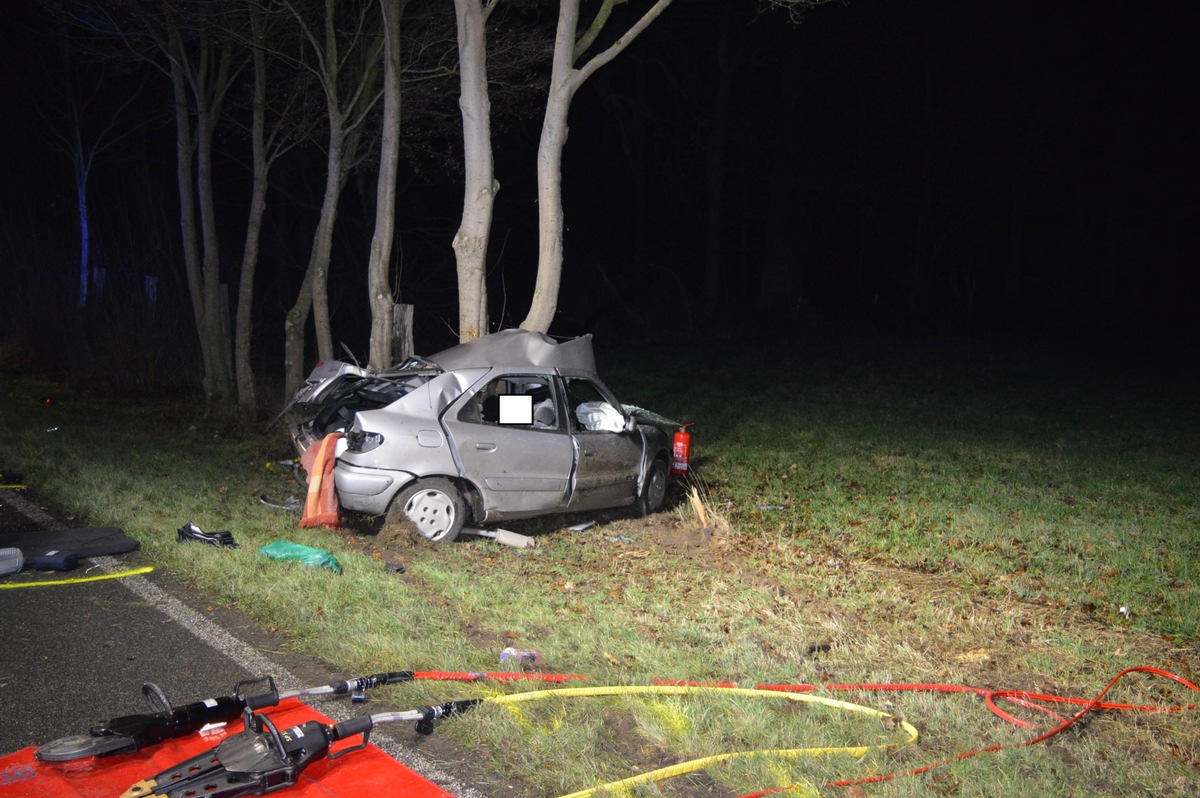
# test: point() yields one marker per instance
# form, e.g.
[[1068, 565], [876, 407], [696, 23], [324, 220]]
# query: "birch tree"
[[347, 65], [379, 289], [480, 186], [571, 67], [267, 143], [565, 79]]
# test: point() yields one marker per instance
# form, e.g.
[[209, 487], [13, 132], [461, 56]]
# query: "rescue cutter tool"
[[262, 759], [130, 733]]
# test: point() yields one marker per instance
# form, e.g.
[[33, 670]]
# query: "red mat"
[[366, 772]]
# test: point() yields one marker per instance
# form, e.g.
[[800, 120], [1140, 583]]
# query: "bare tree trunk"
[[294, 323], [346, 115], [565, 80], [213, 331], [379, 287], [402, 333], [185, 147], [246, 399], [85, 231], [314, 294], [479, 195], [318, 263], [208, 74], [549, 172]]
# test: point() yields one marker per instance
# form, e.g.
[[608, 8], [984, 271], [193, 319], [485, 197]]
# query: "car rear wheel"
[[654, 490], [435, 506]]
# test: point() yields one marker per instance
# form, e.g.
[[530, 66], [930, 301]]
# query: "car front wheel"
[[654, 490], [435, 506]]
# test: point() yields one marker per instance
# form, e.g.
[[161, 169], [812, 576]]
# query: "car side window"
[[591, 410], [515, 400]]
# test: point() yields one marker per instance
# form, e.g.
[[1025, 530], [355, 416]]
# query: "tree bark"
[[379, 287], [85, 230], [218, 386], [402, 333], [565, 80], [479, 194], [294, 322], [346, 111], [247, 399], [207, 74], [185, 147], [313, 296]]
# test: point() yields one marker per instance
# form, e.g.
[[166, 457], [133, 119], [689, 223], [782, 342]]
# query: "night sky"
[[920, 165]]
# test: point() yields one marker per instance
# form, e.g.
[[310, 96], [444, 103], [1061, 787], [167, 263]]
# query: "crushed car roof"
[[519, 348]]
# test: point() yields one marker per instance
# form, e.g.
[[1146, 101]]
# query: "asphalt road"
[[75, 654]]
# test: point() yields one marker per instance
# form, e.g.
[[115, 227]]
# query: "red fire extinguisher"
[[681, 449]]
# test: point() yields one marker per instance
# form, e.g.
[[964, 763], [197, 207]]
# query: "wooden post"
[[402, 333]]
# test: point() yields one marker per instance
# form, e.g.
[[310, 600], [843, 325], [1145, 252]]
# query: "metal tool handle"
[[367, 682]]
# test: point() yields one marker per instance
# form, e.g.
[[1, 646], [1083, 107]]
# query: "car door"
[[512, 446], [609, 456]]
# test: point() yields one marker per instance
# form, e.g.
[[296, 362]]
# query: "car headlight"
[[358, 440]]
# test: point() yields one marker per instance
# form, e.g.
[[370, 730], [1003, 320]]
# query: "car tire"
[[435, 507], [654, 490]]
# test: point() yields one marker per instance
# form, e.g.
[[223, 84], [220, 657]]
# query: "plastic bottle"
[[520, 656]]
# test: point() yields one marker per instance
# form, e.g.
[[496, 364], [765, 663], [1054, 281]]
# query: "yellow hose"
[[145, 569], [703, 762]]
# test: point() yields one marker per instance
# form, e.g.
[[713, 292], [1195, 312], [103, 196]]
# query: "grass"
[[861, 515]]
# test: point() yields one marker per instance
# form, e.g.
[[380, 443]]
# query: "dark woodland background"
[[918, 168]]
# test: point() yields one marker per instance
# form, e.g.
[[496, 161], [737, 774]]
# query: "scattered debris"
[[520, 656], [394, 567], [586, 525], [503, 537], [291, 503], [220, 537], [11, 561], [55, 561], [310, 556]]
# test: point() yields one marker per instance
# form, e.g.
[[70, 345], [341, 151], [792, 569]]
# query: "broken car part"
[[190, 532], [503, 537]]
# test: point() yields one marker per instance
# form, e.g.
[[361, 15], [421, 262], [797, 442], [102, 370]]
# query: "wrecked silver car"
[[512, 425]]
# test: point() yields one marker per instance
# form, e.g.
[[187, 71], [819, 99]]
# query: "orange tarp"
[[321, 504]]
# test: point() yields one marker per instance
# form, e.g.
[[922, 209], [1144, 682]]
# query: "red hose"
[[499, 676], [1019, 697]]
